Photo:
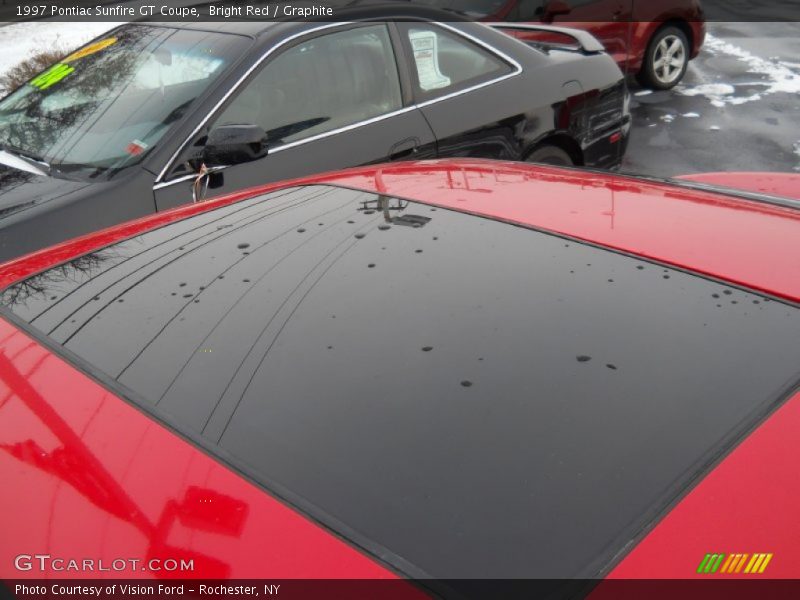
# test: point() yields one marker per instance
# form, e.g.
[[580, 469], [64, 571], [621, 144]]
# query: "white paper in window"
[[426, 55]]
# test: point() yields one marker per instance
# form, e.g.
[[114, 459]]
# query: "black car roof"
[[468, 397]]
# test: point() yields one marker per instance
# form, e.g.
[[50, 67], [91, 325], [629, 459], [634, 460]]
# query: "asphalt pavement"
[[737, 109]]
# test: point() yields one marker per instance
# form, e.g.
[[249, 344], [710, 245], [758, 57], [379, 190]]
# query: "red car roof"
[[90, 459], [746, 242]]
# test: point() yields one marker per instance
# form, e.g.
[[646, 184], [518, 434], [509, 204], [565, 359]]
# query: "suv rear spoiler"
[[586, 40]]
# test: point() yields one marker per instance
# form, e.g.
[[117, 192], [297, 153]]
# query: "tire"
[[550, 155], [666, 59]]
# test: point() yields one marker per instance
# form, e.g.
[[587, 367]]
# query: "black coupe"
[[153, 115]]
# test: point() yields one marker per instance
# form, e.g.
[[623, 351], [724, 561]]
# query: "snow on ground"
[[20, 40], [715, 92], [773, 75]]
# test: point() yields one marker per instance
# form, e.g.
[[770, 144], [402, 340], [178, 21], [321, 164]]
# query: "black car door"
[[332, 99], [467, 91]]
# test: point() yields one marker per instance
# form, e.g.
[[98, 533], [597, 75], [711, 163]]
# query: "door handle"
[[404, 149]]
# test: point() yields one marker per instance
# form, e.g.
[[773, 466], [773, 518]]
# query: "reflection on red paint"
[[88, 476]]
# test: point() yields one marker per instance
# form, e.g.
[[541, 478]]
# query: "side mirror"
[[234, 144], [555, 8]]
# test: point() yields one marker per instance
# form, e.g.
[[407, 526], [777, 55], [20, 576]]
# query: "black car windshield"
[[107, 104]]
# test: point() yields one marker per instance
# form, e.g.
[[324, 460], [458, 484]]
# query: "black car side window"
[[320, 85], [443, 62]]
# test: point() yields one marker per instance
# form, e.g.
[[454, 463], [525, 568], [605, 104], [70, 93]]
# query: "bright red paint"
[[94, 477], [87, 475], [747, 504]]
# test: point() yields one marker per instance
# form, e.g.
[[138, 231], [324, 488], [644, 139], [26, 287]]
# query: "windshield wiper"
[[32, 160]]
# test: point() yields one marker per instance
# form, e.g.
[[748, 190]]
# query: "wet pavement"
[[737, 109]]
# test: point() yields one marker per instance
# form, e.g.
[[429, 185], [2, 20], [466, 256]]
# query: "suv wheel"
[[666, 59]]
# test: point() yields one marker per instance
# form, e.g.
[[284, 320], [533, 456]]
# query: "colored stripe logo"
[[751, 564]]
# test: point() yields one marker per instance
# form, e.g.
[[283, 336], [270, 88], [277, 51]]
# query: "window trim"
[[159, 182]]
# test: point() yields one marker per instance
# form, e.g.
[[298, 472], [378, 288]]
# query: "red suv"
[[653, 39]]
